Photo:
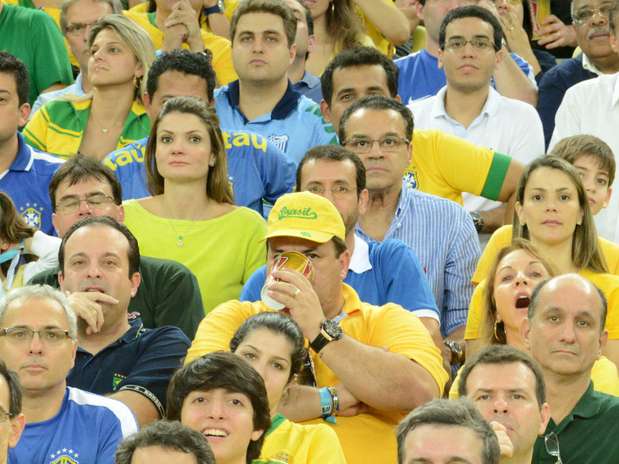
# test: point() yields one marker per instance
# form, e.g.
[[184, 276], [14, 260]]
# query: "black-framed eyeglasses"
[[551, 443], [585, 15], [455, 44], [388, 143], [72, 204], [77, 28], [24, 335]]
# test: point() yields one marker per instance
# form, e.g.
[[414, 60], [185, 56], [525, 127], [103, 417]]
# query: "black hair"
[[379, 103], [280, 324], [358, 56], [9, 64], [472, 11], [15, 392], [80, 168], [335, 153], [186, 62], [133, 253], [229, 372]]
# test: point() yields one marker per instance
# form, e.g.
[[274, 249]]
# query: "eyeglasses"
[[94, 201], [78, 28], [551, 443], [585, 15], [363, 145], [24, 335], [455, 44]]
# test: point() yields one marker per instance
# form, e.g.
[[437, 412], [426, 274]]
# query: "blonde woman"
[[191, 217], [111, 115]]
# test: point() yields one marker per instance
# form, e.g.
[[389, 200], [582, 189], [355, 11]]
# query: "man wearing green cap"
[[370, 364]]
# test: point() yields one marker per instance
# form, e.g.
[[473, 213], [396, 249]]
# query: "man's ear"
[[344, 261], [362, 203], [544, 412], [419, 10], [24, 113], [440, 58], [525, 330], [325, 110], [136, 279], [17, 427]]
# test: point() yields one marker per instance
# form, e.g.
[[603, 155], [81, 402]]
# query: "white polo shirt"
[[505, 125], [592, 107]]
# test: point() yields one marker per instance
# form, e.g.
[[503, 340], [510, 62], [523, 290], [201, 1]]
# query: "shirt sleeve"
[[551, 91], [277, 172], [154, 368], [256, 250], [251, 289], [109, 438], [405, 282], [567, 119], [462, 257], [475, 316], [35, 131], [45, 247]]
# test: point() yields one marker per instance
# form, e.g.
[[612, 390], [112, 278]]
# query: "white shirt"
[[592, 107], [505, 125]]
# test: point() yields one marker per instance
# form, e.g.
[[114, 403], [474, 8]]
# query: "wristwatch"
[[478, 221], [330, 331]]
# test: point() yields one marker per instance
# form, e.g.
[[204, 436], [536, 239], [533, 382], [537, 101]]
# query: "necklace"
[[180, 237]]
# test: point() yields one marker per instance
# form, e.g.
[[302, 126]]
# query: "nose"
[[598, 18], [216, 409], [500, 406], [257, 45], [35, 344], [521, 278], [84, 208], [568, 334], [93, 270]]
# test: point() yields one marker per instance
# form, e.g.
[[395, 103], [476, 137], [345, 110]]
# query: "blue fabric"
[[419, 75], [294, 126], [310, 87], [553, 86], [75, 90], [258, 170], [80, 433], [442, 235], [546, 61], [26, 182], [396, 277], [142, 358]]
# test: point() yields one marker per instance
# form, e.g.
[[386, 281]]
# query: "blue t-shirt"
[[86, 430], [26, 182], [142, 360], [259, 171], [294, 126], [394, 275], [419, 75]]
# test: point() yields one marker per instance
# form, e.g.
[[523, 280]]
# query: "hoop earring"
[[496, 332], [333, 7]]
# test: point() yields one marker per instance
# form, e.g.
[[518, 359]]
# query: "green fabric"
[[32, 36], [588, 435], [496, 176], [277, 420], [168, 295], [27, 4]]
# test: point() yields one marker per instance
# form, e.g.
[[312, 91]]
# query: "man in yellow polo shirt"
[[370, 364]]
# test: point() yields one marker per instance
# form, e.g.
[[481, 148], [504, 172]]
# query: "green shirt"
[[33, 37], [588, 435], [168, 295]]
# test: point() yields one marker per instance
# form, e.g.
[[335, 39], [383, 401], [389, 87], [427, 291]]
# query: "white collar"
[[360, 259]]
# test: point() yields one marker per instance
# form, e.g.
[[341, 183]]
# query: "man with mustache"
[[507, 386], [115, 356]]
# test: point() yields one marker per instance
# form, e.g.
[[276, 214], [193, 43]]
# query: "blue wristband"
[[326, 405], [212, 10]]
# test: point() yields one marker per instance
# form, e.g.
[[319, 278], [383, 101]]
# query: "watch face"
[[332, 328]]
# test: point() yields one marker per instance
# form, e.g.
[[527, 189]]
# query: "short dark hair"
[[80, 168], [501, 355], [358, 56], [574, 147], [280, 324], [274, 7], [457, 413], [335, 153], [472, 11], [9, 64], [134, 249], [12, 380], [379, 103], [183, 61], [227, 371], [171, 435], [535, 296]]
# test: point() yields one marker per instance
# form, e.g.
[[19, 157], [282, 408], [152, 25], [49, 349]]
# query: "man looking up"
[[565, 334], [38, 340], [507, 386], [359, 351], [263, 100]]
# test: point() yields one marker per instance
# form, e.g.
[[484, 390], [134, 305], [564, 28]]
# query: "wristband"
[[326, 405], [212, 10]]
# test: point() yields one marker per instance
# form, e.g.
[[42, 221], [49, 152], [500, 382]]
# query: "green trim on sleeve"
[[496, 176]]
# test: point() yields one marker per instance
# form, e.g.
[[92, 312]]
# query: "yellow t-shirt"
[[446, 166], [604, 376], [229, 7], [221, 252], [288, 442], [219, 47], [367, 437], [608, 283], [502, 237], [380, 41]]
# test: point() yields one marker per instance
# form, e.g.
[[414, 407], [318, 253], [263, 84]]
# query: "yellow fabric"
[[367, 437], [221, 252], [302, 444], [379, 40], [219, 47], [419, 39], [603, 374], [440, 169], [229, 7]]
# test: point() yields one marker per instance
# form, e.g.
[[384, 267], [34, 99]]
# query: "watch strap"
[[212, 10]]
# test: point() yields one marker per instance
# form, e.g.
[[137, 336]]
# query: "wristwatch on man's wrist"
[[478, 221], [330, 331]]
